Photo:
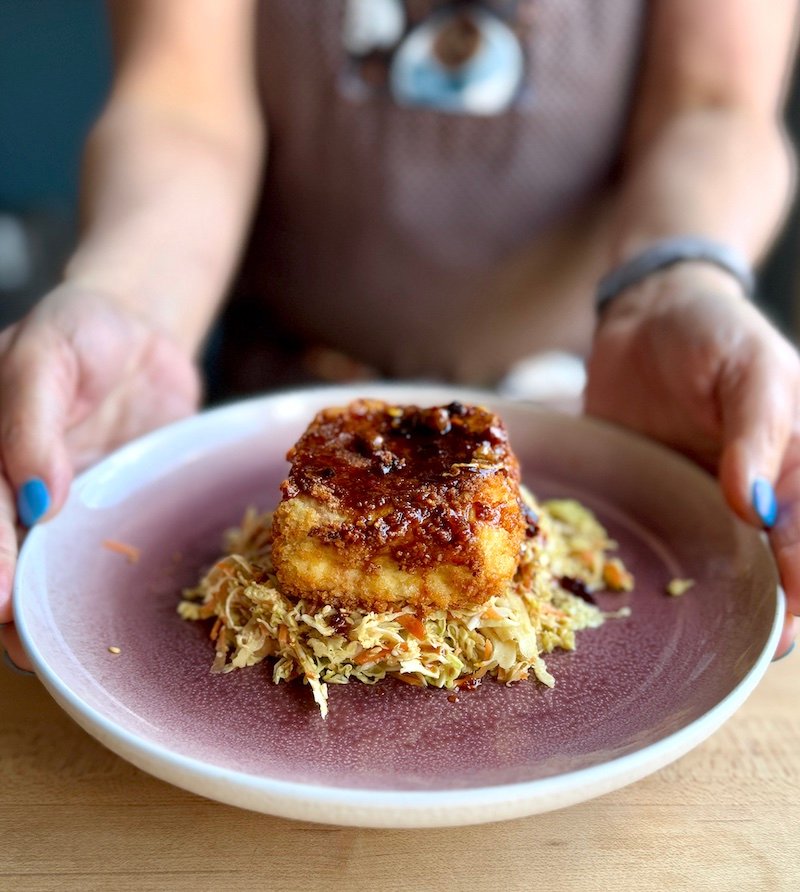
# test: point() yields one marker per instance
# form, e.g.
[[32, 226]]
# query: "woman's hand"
[[686, 359], [79, 376]]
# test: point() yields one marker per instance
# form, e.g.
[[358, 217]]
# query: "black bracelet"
[[669, 252]]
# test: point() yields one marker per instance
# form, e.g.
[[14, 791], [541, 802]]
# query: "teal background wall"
[[54, 70]]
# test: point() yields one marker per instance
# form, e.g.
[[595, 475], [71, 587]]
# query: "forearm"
[[717, 173], [166, 203]]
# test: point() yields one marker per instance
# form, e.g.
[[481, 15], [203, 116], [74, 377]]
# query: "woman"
[[444, 184]]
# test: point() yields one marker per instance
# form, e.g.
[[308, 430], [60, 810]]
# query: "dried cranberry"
[[531, 521], [576, 587]]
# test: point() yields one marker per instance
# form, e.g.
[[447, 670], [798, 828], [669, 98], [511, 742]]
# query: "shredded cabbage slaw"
[[505, 637]]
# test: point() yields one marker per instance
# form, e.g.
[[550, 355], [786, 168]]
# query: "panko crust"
[[388, 506]]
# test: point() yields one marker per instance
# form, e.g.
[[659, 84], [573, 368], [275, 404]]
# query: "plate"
[[636, 694]]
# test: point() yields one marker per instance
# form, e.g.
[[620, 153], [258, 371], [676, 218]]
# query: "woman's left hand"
[[685, 359]]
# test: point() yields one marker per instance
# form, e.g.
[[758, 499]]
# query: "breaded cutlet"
[[393, 506]]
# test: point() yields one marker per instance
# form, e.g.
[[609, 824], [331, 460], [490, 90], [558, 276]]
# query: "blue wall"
[[54, 70]]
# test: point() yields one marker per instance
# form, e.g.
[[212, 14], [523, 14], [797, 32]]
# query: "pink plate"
[[636, 694]]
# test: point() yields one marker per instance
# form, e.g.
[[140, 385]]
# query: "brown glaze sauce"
[[413, 481]]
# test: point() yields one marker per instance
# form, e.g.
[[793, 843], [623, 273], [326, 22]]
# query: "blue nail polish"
[[13, 666], [783, 656], [33, 501], [764, 501]]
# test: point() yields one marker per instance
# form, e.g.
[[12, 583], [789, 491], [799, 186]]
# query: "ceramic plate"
[[636, 694]]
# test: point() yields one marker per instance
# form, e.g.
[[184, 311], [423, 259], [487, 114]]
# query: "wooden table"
[[75, 816]]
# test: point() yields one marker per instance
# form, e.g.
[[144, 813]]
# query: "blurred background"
[[55, 66]]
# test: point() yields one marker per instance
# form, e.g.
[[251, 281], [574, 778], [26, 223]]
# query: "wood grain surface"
[[73, 816]]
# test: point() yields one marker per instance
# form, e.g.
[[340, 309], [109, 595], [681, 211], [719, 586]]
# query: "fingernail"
[[764, 502], [791, 648], [33, 501], [13, 666]]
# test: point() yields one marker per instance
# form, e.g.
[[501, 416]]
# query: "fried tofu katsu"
[[393, 506]]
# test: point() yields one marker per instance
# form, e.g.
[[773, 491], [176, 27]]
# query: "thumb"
[[757, 409], [38, 384]]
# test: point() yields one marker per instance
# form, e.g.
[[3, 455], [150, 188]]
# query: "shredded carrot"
[[408, 679], [491, 613], [372, 655], [224, 567], [215, 629], [131, 552], [467, 679], [616, 576], [412, 625], [206, 610], [488, 649], [553, 611]]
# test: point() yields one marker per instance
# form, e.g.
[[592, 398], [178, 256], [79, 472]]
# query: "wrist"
[[85, 293], [679, 285], [163, 314], [670, 253]]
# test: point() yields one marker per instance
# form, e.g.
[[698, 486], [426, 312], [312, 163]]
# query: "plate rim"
[[386, 808]]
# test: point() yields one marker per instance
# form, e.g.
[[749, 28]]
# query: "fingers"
[[37, 389], [760, 462], [787, 639], [757, 399], [16, 657], [8, 549], [38, 382], [785, 535]]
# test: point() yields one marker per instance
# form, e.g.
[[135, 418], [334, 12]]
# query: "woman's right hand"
[[81, 374]]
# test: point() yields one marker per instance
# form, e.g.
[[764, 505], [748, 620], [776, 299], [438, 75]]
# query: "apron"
[[380, 221]]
